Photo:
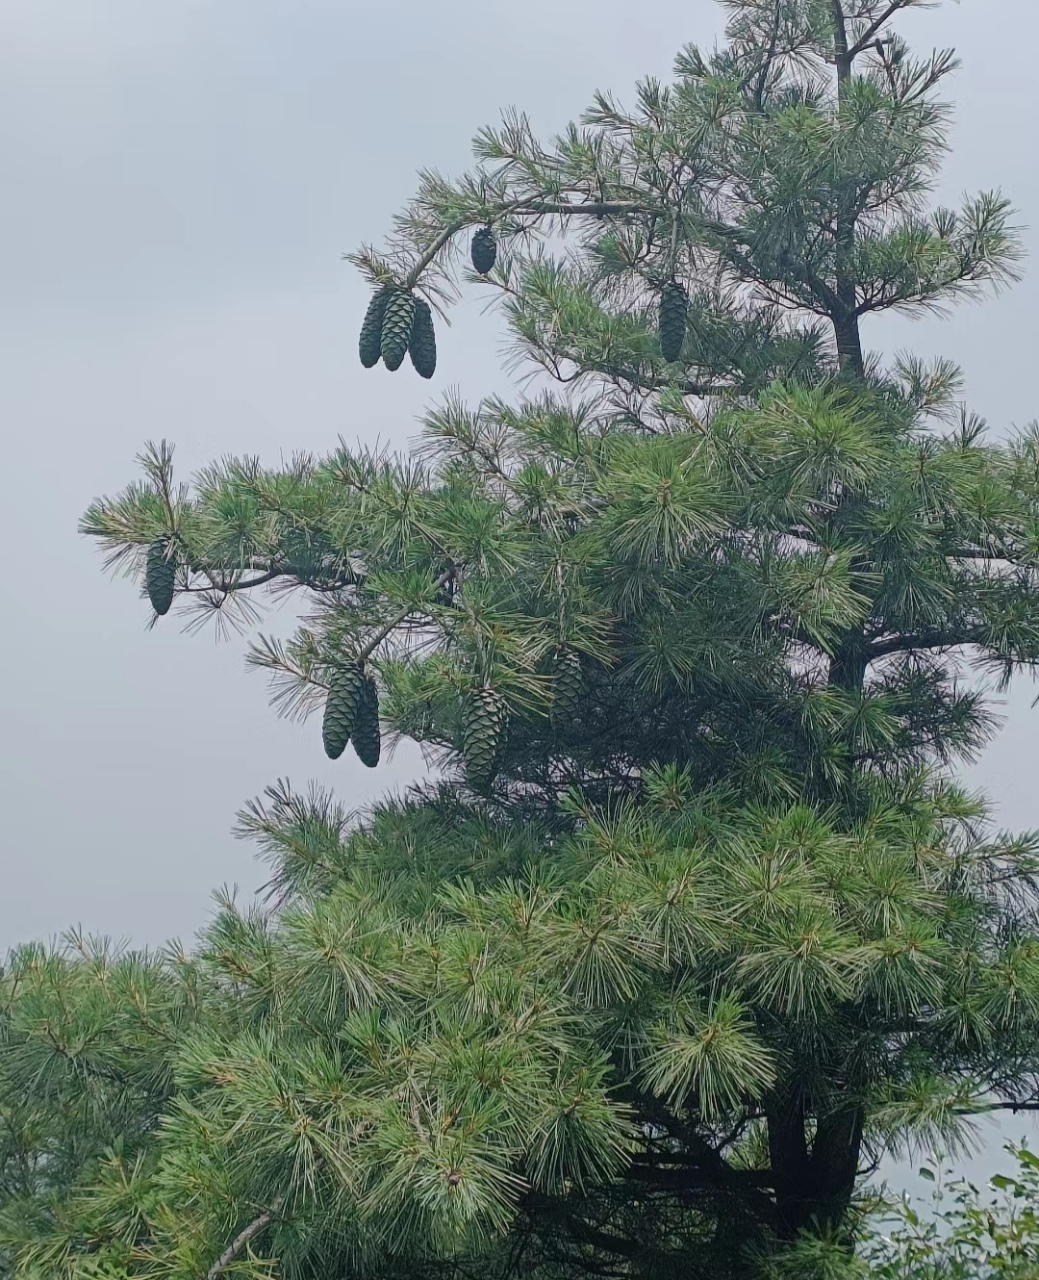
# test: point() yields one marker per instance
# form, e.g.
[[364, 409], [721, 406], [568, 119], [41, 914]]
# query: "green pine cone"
[[484, 731], [370, 344], [567, 689], [423, 344], [160, 575], [483, 250], [674, 308], [366, 737], [396, 328], [341, 709]]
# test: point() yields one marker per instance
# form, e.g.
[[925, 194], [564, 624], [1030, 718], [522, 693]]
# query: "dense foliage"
[[961, 1233], [695, 924]]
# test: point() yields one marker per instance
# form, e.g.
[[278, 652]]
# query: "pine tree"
[[650, 998]]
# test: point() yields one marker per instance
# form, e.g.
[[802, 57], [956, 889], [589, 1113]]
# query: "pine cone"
[[483, 250], [567, 689], [160, 575], [366, 737], [370, 344], [674, 308], [423, 344], [484, 731], [341, 709], [396, 328]]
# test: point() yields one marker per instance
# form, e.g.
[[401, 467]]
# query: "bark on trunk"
[[813, 1186], [845, 317]]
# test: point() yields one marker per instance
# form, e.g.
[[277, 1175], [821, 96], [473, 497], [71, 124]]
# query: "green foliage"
[[963, 1234], [958, 1232], [695, 924]]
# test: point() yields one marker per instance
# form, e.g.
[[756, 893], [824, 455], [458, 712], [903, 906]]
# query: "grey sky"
[[179, 181]]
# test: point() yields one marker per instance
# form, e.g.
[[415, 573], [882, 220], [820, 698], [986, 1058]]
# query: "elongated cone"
[[370, 344], [341, 708], [567, 689], [396, 328], [366, 737], [423, 344], [483, 250], [484, 731], [160, 575], [674, 308]]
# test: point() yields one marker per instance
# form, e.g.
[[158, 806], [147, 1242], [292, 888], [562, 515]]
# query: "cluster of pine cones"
[[352, 715], [397, 324]]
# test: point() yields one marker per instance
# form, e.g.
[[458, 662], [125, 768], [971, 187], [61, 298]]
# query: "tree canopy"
[[695, 923]]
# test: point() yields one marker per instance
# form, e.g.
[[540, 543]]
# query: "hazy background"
[[178, 183]]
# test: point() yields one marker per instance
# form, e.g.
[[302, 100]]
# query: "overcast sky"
[[179, 182]]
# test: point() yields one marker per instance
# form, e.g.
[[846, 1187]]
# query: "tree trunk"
[[813, 1187], [845, 316], [788, 1155], [848, 663]]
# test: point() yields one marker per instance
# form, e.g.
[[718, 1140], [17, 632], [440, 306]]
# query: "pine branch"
[[563, 208], [868, 35], [989, 1107], [229, 588], [404, 614], [242, 1239], [907, 642], [557, 1209]]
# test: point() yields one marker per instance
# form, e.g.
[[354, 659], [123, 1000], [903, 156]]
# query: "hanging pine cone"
[[396, 328], [483, 250], [674, 307], [423, 344], [370, 344], [366, 737], [341, 709], [567, 689], [160, 575], [484, 729]]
